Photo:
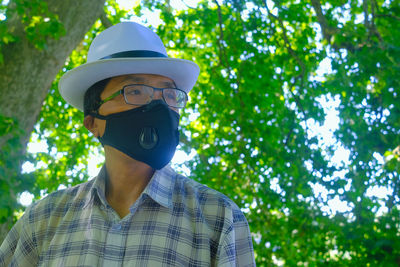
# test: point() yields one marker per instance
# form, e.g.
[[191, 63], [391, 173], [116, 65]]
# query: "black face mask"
[[148, 133]]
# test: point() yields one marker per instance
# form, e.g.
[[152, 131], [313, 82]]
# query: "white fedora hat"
[[125, 48]]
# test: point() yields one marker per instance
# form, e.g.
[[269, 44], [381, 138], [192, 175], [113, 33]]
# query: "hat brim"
[[74, 84]]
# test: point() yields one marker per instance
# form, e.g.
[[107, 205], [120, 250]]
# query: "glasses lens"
[[138, 94], [175, 97]]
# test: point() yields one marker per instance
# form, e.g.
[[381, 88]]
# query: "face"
[[117, 104]]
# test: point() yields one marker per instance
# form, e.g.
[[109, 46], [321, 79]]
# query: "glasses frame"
[[122, 92]]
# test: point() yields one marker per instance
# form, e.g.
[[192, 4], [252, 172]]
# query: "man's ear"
[[90, 123]]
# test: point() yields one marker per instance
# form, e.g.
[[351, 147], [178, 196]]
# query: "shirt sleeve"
[[19, 247], [236, 248]]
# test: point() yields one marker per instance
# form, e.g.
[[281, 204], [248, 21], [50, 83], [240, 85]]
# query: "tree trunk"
[[27, 73]]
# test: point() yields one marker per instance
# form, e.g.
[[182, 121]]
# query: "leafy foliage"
[[251, 118], [11, 181], [253, 147], [39, 23]]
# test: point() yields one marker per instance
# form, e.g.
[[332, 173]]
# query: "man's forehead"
[[145, 78]]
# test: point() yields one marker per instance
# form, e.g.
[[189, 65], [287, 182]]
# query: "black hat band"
[[135, 53]]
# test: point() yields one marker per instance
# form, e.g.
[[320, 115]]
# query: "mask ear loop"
[[97, 115]]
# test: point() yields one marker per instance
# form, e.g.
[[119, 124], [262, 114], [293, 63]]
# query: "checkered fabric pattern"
[[175, 222]]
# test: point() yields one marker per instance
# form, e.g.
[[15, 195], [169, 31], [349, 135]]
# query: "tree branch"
[[183, 1], [365, 9], [327, 31], [387, 16], [222, 55], [302, 66], [298, 102], [184, 140], [105, 20], [288, 136], [373, 26], [286, 40]]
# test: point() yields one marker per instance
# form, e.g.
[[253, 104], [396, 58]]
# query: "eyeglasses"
[[140, 94]]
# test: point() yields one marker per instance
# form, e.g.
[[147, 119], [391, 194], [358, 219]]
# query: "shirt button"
[[116, 226]]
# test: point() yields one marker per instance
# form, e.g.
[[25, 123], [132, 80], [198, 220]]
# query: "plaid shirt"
[[175, 222]]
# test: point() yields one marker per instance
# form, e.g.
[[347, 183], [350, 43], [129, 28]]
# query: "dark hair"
[[92, 96]]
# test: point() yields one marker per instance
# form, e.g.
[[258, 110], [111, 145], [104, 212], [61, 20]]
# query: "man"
[[138, 211]]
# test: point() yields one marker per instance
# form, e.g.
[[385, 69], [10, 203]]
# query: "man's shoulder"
[[60, 201], [201, 191], [211, 202]]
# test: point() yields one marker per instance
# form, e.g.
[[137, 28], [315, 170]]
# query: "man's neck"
[[126, 180]]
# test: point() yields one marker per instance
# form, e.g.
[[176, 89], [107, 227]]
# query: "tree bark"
[[27, 73]]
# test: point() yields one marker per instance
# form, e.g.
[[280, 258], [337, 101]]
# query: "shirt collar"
[[159, 188], [99, 186]]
